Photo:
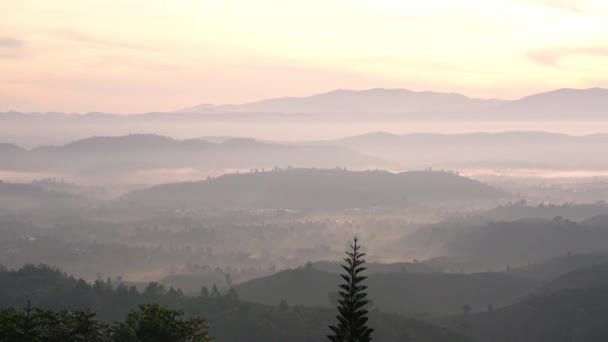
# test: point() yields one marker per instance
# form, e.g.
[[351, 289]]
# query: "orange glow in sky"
[[151, 55]]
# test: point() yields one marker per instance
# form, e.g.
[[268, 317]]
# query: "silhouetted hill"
[[312, 189], [529, 239], [392, 292], [20, 196], [429, 240], [125, 144], [561, 104], [564, 316], [561, 265], [577, 212], [500, 244], [9, 150], [557, 104], [341, 112], [358, 101], [128, 154], [595, 276], [596, 220], [507, 149]]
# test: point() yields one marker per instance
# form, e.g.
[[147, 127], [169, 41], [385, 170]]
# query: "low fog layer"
[[331, 115], [468, 236], [146, 159]]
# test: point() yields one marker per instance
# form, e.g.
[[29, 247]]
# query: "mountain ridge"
[[433, 101], [399, 100]]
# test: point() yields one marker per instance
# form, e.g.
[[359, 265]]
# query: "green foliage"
[[352, 320], [156, 323], [231, 319], [51, 326], [147, 323]]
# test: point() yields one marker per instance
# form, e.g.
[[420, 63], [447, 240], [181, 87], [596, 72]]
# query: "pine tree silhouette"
[[352, 316]]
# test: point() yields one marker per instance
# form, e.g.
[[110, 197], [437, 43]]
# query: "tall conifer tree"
[[352, 317]]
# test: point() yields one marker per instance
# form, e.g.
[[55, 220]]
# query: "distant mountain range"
[[358, 101], [137, 152], [557, 104], [193, 159], [330, 115], [531, 150]]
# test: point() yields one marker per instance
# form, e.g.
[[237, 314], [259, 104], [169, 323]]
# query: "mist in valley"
[[199, 171], [450, 220]]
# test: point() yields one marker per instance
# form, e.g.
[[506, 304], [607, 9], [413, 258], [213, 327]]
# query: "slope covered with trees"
[[108, 155], [312, 189], [230, 319], [401, 292], [564, 316], [148, 322], [515, 243]]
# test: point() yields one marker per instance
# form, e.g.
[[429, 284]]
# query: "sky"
[[132, 56]]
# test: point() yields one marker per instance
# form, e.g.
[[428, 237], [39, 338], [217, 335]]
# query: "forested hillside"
[[401, 292], [312, 189], [230, 318]]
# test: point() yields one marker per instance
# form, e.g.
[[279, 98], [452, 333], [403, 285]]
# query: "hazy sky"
[[152, 55]]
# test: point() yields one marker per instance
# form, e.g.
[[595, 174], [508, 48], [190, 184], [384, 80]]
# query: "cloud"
[[553, 57], [10, 48], [398, 18], [577, 6], [86, 38], [10, 42]]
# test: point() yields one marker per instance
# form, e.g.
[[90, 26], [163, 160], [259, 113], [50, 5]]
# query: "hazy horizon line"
[[213, 139], [183, 110]]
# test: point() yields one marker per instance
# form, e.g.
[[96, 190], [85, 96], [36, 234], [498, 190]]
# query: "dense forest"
[[48, 305], [404, 292], [230, 318], [312, 189]]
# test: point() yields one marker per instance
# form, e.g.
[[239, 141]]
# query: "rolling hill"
[[128, 154], [401, 292], [572, 104], [523, 149], [564, 316], [312, 189], [514, 243], [230, 319], [561, 265], [595, 276], [377, 100], [531, 241], [22, 196], [341, 113]]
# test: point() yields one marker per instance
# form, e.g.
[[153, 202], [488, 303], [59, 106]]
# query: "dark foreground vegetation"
[[230, 319], [149, 322], [40, 303]]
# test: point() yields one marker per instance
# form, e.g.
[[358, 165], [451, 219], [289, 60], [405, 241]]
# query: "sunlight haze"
[[144, 55]]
